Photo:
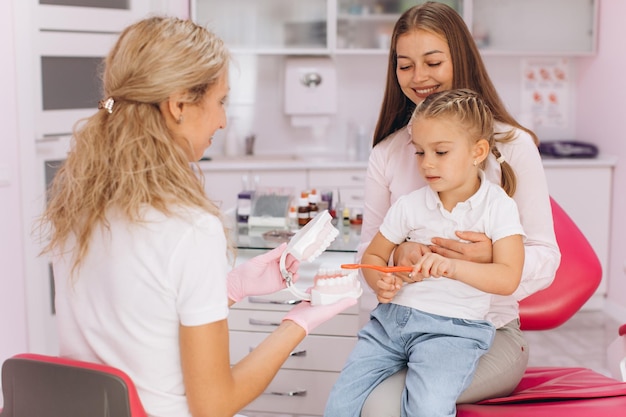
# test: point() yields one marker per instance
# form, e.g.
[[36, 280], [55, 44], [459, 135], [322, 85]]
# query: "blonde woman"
[[436, 325], [140, 254]]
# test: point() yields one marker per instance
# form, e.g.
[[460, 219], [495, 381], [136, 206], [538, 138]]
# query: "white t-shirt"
[[392, 172], [137, 283], [420, 216]]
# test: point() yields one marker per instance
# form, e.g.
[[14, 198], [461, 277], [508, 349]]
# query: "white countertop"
[[278, 162], [291, 162]]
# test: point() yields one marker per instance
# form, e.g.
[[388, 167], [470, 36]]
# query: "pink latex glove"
[[260, 275], [309, 317]]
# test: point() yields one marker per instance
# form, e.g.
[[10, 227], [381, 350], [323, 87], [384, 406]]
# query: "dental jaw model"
[[306, 245]]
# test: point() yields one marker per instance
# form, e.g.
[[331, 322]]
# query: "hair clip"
[[107, 104]]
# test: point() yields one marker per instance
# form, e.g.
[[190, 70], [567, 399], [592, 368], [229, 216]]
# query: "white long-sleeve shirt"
[[392, 172]]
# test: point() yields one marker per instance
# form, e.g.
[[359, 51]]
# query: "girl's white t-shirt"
[[136, 285]]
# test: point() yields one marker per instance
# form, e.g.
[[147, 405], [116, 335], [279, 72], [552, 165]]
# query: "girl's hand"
[[387, 287], [478, 247], [433, 265]]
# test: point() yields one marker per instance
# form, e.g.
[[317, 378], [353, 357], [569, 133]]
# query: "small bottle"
[[314, 199], [292, 218], [244, 201], [346, 216], [303, 209]]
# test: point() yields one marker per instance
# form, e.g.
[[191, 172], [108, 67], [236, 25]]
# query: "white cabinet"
[[304, 381], [223, 184], [583, 188], [348, 184], [71, 38], [501, 27]]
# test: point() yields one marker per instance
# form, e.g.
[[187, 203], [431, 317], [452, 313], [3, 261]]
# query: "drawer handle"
[[297, 353], [261, 300], [257, 322], [297, 393], [357, 178]]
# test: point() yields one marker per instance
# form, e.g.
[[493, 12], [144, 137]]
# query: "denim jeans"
[[441, 354]]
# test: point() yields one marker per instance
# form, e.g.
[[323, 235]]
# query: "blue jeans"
[[441, 354]]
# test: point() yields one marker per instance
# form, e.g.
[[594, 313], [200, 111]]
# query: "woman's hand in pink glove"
[[260, 275], [309, 317]]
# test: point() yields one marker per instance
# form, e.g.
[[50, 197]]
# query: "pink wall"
[[13, 337], [600, 115]]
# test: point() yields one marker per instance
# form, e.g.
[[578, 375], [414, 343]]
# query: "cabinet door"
[[584, 192], [348, 185], [223, 186], [365, 26], [287, 26], [313, 353], [564, 27], [295, 392]]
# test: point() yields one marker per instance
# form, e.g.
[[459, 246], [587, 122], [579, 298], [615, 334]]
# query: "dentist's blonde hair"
[[124, 157]]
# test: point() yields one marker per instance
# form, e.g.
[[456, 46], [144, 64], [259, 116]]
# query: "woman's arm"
[[377, 200], [212, 387], [542, 255]]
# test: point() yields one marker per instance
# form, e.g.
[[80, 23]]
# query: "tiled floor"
[[580, 342]]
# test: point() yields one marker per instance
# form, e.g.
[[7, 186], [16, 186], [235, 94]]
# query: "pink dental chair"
[[49, 386], [551, 391]]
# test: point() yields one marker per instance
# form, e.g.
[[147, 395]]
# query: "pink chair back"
[[576, 280]]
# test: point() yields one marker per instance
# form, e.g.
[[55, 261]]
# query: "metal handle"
[[298, 353], [261, 300], [357, 178], [296, 393], [257, 322]]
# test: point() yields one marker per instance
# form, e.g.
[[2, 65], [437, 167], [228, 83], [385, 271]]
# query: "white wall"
[[13, 337], [601, 112]]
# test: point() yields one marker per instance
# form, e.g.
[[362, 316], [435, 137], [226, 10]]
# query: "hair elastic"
[[107, 104], [500, 159]]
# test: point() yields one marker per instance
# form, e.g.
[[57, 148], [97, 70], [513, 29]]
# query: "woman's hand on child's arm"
[[476, 248], [407, 254]]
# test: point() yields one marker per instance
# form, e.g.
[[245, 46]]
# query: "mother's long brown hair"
[[468, 68]]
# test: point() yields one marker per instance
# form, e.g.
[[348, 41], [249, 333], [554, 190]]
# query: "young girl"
[[437, 324]]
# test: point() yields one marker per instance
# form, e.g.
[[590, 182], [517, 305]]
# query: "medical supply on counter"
[[270, 207], [303, 209], [314, 199]]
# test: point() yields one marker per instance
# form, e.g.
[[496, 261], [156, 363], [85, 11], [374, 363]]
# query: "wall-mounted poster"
[[546, 91]]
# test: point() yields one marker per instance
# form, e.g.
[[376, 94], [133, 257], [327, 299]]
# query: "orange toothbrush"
[[379, 268]]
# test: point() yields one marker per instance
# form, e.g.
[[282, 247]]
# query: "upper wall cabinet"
[[71, 38], [268, 26], [500, 27]]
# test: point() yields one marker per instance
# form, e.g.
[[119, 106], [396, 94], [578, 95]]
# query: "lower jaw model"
[[306, 245]]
